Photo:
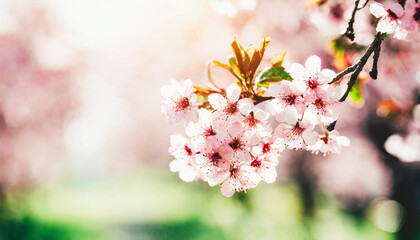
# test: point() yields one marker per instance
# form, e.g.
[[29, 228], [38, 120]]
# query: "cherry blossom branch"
[[350, 29], [374, 47], [374, 71], [260, 99], [364, 5]]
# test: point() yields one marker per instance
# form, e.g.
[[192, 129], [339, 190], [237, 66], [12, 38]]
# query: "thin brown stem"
[[358, 67], [350, 30]]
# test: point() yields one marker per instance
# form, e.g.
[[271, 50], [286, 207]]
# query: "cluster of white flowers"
[[236, 144], [405, 23]]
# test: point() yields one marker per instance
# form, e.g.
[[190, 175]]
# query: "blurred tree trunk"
[[405, 178]]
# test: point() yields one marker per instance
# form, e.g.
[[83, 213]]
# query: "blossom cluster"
[[405, 23], [234, 138]]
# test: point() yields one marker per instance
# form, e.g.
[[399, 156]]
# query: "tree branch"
[[350, 30], [364, 5], [375, 46]]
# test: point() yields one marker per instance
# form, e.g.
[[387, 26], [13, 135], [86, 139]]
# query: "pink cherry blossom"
[[310, 78], [214, 162], [410, 22], [202, 130], [184, 162], [255, 119], [286, 94], [323, 102], [297, 130], [390, 18], [270, 146], [240, 178], [240, 140], [265, 167], [178, 100], [329, 143], [227, 110]]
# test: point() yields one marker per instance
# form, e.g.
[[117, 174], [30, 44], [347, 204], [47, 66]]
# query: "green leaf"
[[265, 83], [275, 72], [273, 75], [234, 65], [356, 93]]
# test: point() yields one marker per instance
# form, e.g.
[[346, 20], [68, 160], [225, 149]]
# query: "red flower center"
[[290, 99], [251, 121], [392, 14], [188, 150], [235, 143], [313, 83], [266, 147], [214, 158], [256, 163], [232, 108], [416, 15], [183, 103], [234, 172], [337, 12], [325, 139], [319, 103], [209, 132]]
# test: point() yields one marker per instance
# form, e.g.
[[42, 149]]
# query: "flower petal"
[[298, 72], [377, 10], [217, 101], [397, 9], [233, 92], [227, 189], [313, 64], [245, 106]]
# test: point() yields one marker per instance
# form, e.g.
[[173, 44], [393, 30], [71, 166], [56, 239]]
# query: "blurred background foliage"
[[155, 205]]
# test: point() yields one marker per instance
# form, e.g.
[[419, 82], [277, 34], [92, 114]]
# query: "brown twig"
[[374, 71], [350, 30], [260, 99], [364, 5], [375, 46]]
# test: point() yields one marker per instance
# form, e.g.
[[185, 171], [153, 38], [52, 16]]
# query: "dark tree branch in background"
[[374, 71], [364, 5], [350, 29], [374, 47]]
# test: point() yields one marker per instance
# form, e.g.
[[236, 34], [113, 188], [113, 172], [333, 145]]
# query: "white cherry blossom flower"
[[179, 101], [310, 78], [255, 119], [323, 102], [214, 162], [390, 18], [297, 131], [410, 22], [265, 168], [184, 162], [240, 140], [227, 110], [329, 143], [202, 131], [286, 94], [241, 177]]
